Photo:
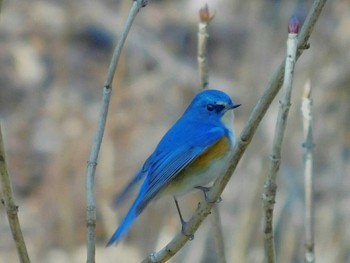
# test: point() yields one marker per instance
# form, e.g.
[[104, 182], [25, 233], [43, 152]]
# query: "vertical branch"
[[270, 186], [218, 234], [202, 48], [9, 203], [202, 54], [308, 173], [11, 207], [92, 162]]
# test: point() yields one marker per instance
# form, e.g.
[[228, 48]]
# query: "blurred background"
[[54, 57]]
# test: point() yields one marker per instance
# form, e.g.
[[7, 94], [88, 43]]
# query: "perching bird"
[[190, 155]]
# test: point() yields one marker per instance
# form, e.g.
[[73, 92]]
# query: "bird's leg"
[[183, 222], [205, 190]]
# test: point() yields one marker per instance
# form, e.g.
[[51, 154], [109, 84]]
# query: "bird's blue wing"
[[167, 162]]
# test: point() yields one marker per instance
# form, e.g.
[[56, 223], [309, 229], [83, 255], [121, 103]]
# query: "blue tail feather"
[[129, 218], [124, 226]]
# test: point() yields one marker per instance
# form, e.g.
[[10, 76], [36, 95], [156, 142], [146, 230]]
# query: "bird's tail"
[[124, 226], [129, 218]]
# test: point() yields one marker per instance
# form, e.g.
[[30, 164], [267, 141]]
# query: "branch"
[[11, 207], [218, 235], [202, 47], [202, 58], [246, 136], [92, 163], [270, 185], [308, 173], [9, 203]]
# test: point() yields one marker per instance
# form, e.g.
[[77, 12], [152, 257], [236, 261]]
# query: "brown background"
[[53, 60]]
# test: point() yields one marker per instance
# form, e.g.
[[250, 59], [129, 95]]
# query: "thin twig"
[[306, 109], [246, 136], [202, 47], [92, 163], [203, 72], [9, 203], [217, 234], [270, 185], [11, 207]]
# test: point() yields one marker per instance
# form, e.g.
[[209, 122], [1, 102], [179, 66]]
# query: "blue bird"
[[195, 150]]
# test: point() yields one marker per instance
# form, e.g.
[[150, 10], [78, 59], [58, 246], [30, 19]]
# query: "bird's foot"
[[205, 191], [184, 224], [184, 230]]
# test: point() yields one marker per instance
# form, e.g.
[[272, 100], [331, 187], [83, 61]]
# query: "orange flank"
[[213, 153]]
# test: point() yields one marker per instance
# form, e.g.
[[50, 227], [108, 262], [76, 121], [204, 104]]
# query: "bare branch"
[[270, 185], [92, 163], [202, 58], [306, 109], [9, 203], [202, 48], [218, 234], [11, 207], [203, 72]]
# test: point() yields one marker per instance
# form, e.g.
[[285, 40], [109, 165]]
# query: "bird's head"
[[211, 105]]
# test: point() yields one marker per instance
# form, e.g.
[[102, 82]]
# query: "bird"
[[194, 151]]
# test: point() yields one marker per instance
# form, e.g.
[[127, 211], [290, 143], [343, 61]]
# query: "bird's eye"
[[210, 107]]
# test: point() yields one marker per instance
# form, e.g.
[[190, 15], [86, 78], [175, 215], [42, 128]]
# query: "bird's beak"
[[233, 106]]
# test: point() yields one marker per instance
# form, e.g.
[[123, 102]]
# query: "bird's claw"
[[205, 191], [184, 230], [219, 200]]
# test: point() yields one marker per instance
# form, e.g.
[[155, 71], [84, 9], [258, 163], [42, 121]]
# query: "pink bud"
[[293, 25], [204, 14]]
